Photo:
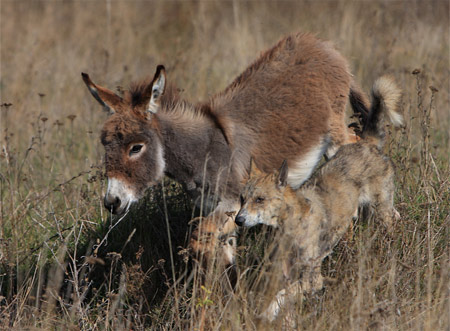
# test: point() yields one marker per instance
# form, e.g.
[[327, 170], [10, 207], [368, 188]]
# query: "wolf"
[[315, 216]]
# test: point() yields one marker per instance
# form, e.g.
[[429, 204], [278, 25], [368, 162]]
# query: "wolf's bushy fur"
[[315, 216]]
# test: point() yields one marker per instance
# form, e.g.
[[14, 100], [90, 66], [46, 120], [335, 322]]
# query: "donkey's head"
[[134, 157]]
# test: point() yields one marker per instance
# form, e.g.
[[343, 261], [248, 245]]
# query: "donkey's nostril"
[[116, 203], [106, 203], [112, 203]]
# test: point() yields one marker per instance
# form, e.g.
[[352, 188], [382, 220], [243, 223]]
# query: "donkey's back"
[[289, 104]]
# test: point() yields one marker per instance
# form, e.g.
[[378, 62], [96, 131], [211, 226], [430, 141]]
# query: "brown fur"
[[288, 105], [316, 216]]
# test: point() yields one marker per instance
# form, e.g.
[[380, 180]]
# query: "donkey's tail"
[[385, 101], [360, 106]]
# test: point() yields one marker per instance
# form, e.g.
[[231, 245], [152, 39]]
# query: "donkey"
[[288, 105]]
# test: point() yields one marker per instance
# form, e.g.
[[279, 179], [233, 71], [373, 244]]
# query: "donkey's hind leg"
[[339, 132]]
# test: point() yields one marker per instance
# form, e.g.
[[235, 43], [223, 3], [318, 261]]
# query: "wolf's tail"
[[385, 101]]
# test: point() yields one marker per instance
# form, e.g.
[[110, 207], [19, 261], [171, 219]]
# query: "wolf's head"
[[262, 197]]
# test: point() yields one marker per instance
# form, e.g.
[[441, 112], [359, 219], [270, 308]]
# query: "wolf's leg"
[[282, 297], [312, 281], [385, 203]]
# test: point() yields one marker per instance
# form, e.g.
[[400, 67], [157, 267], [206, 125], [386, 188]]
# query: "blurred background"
[[51, 159]]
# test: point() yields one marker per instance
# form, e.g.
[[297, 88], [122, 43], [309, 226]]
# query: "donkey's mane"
[[138, 92], [173, 104], [138, 95]]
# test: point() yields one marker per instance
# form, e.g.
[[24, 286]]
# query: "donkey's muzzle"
[[112, 203]]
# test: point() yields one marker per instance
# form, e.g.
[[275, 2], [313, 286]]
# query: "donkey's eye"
[[259, 200], [135, 149]]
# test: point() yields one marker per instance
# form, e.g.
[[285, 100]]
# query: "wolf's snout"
[[112, 203], [240, 220]]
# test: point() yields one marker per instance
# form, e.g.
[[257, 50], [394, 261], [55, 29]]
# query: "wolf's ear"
[[110, 101], [282, 175], [254, 170], [158, 86], [305, 206]]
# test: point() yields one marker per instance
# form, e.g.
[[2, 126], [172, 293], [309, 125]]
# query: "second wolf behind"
[[316, 216]]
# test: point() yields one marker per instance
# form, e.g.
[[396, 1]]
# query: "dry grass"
[[64, 265]]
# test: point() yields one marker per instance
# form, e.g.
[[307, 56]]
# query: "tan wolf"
[[314, 217]]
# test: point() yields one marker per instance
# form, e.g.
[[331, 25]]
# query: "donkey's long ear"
[[158, 87], [254, 170], [282, 175], [107, 98]]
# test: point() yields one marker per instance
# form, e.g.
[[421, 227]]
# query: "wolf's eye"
[[232, 241], [259, 200], [135, 149]]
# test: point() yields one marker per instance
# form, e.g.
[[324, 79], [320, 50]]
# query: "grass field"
[[64, 263]]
